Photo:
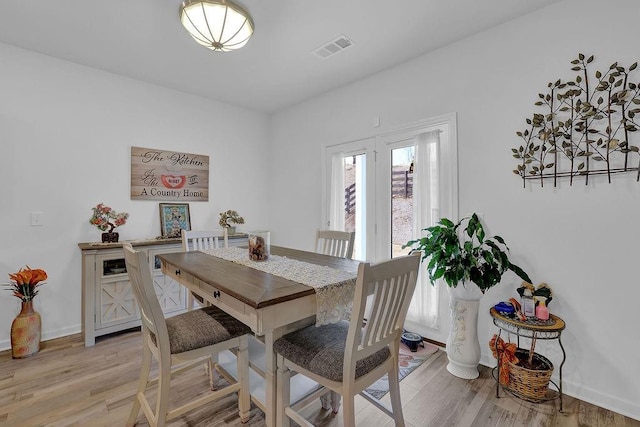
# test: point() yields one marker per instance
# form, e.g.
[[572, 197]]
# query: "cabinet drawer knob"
[[216, 294], [177, 272]]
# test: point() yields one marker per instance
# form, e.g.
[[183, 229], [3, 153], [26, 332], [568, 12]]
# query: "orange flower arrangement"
[[25, 283]]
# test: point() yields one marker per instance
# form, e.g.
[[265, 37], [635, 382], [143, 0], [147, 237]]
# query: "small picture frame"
[[174, 217]]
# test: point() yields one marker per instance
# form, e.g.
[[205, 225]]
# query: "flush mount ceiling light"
[[219, 25]]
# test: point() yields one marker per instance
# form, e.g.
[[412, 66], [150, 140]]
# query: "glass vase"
[[259, 245]]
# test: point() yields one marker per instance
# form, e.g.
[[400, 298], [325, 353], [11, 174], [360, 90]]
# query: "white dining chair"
[[180, 343], [335, 243], [340, 244], [200, 240], [345, 357]]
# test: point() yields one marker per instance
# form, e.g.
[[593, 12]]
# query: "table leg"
[[270, 376]]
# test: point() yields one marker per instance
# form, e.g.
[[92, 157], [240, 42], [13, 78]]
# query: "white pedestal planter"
[[463, 347]]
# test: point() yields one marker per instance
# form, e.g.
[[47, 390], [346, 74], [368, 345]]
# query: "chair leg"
[[394, 391], [283, 393], [348, 409], [142, 385], [325, 401], [244, 399], [331, 400], [335, 401], [164, 382]]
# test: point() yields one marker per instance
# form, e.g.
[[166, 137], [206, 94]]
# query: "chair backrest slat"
[[390, 285], [335, 243], [200, 240]]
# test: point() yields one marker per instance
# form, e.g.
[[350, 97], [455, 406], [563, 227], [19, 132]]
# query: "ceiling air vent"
[[334, 46]]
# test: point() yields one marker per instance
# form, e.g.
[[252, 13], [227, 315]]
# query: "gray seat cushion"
[[201, 328], [321, 351]]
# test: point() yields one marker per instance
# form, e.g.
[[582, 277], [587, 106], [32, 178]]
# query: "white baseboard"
[[47, 335], [612, 403], [586, 394]]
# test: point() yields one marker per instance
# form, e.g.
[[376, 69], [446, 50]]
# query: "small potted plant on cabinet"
[[470, 263], [230, 217], [106, 219]]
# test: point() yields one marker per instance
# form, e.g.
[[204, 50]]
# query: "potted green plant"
[[228, 217], [470, 263]]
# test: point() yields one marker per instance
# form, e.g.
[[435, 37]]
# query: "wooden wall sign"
[[168, 175]]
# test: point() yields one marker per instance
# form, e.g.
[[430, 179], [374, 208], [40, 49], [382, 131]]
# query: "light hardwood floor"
[[67, 384]]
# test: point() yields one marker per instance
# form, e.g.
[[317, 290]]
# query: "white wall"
[[581, 240], [66, 131], [65, 138]]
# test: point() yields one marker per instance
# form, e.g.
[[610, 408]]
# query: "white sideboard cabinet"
[[108, 302]]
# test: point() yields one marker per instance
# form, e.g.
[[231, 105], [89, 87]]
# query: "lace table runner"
[[334, 288]]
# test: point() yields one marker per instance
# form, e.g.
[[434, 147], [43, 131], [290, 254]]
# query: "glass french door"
[[351, 193], [377, 186], [394, 195], [377, 200], [376, 195]]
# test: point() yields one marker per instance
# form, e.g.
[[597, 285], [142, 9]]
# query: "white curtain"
[[336, 193], [426, 211]]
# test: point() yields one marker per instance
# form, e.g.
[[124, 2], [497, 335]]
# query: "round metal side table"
[[535, 330]]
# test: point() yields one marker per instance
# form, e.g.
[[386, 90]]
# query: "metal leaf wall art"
[[585, 128]]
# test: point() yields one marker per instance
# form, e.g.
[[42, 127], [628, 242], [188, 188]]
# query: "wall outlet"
[[36, 219]]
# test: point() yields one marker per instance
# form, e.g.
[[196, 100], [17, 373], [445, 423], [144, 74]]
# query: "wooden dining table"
[[270, 305]]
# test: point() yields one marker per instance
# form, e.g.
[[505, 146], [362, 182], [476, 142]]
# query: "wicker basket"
[[529, 384]]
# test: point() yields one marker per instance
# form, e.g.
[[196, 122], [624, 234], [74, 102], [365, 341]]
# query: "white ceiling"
[[144, 39]]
